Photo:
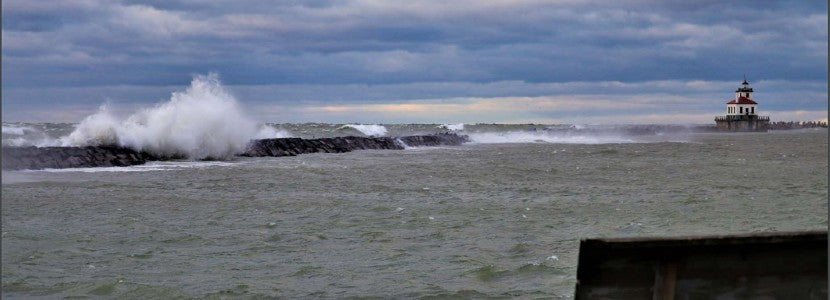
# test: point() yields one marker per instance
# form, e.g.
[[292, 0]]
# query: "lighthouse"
[[741, 112]]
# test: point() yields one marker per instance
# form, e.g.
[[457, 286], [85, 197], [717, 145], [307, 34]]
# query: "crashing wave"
[[204, 121], [453, 127], [368, 130]]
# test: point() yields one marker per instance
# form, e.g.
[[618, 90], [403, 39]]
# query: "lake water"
[[499, 217]]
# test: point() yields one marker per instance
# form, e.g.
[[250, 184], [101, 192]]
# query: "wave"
[[453, 127], [368, 130], [204, 121], [268, 132], [16, 142], [545, 137], [153, 166], [29, 135], [26, 142], [15, 130]]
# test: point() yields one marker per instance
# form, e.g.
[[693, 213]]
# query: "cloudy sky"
[[369, 61]]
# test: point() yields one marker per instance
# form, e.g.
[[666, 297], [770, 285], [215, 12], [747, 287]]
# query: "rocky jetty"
[[294, 146], [34, 158], [441, 139]]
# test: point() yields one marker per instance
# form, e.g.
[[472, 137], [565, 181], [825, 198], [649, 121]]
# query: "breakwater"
[[294, 146], [34, 158]]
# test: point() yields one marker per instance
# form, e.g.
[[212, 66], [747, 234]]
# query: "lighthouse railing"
[[742, 118]]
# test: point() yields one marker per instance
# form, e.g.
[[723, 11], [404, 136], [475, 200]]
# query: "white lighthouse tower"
[[743, 103]]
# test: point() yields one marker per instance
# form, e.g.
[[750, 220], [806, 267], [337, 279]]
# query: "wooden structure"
[[756, 266]]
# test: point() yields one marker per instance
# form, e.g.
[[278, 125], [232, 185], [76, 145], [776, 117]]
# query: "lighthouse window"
[[753, 110], [742, 110]]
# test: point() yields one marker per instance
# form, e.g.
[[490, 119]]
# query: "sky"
[[370, 61]]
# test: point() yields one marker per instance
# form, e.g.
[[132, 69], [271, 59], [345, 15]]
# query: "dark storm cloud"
[[101, 44]]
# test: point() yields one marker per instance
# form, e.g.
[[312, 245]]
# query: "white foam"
[[21, 136], [268, 132], [402, 144], [100, 169], [17, 142], [453, 127], [153, 166], [37, 142], [14, 130], [543, 137], [369, 130], [97, 129], [202, 121]]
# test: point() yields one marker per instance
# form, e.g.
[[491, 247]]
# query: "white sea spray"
[[453, 127], [204, 121], [368, 129], [545, 137]]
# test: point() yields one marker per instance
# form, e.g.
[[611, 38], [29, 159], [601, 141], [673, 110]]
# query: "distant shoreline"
[[796, 125]]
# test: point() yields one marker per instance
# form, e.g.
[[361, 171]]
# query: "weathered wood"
[[774, 265]]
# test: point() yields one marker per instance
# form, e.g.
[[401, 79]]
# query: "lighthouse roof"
[[742, 100]]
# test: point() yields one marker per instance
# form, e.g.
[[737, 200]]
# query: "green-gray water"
[[479, 220]]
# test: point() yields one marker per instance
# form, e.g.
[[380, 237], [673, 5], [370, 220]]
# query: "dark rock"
[[35, 158], [443, 139], [294, 146]]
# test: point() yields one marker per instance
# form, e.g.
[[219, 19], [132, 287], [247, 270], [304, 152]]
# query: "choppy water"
[[55, 134], [487, 219]]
